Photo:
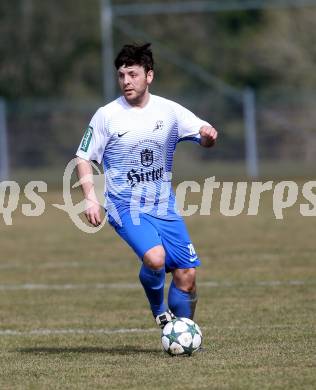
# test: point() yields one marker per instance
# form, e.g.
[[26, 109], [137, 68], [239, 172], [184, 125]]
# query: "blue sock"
[[181, 303], [153, 282]]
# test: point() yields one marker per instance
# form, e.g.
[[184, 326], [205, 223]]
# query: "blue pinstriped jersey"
[[136, 146]]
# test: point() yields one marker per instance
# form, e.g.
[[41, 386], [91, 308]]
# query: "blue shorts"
[[153, 231]]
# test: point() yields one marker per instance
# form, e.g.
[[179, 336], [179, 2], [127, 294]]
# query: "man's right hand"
[[92, 207], [93, 212]]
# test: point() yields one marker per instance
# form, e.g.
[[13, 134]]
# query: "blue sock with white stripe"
[[181, 303], [153, 282]]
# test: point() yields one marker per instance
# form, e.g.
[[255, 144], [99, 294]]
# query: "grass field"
[[72, 314]]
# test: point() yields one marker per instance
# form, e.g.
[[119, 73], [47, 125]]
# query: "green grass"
[[256, 335]]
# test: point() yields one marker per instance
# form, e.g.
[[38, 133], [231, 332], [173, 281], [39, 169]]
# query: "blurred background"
[[247, 66]]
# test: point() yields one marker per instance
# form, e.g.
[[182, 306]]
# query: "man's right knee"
[[154, 258]]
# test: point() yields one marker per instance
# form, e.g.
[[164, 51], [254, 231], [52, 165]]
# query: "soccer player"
[[135, 136]]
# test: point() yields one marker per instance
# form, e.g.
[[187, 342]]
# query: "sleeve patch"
[[86, 139]]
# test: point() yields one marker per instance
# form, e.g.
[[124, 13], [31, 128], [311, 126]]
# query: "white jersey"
[[136, 146]]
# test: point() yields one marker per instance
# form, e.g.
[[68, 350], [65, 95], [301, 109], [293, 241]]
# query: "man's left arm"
[[208, 136]]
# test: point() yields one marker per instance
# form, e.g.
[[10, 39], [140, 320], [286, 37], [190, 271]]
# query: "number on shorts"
[[191, 249]]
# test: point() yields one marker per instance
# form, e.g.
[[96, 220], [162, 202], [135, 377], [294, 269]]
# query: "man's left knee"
[[184, 279]]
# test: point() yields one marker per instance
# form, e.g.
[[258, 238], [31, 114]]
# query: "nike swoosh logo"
[[121, 134], [193, 259]]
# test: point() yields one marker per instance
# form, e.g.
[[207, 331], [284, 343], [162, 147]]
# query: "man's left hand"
[[208, 136]]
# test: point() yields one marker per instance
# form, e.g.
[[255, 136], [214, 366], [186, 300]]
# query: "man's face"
[[134, 82]]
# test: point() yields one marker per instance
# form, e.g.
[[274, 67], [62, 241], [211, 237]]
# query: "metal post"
[[250, 132], [107, 50], [27, 11], [4, 156]]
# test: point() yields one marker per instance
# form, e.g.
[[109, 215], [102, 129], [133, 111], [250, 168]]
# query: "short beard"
[[135, 101]]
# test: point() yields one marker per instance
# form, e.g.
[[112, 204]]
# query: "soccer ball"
[[181, 336]]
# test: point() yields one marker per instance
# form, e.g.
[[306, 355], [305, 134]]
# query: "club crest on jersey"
[[158, 126], [146, 157]]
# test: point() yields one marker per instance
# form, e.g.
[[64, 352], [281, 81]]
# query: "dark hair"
[[135, 55]]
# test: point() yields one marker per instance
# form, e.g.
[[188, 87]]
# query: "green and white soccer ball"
[[181, 336]]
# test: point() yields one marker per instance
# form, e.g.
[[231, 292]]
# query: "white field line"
[[49, 265], [126, 286], [50, 332], [68, 286]]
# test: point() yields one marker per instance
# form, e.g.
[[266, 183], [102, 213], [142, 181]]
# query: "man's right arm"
[[85, 176]]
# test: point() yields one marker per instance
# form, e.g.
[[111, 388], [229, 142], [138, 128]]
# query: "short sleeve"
[[95, 139], [188, 124]]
